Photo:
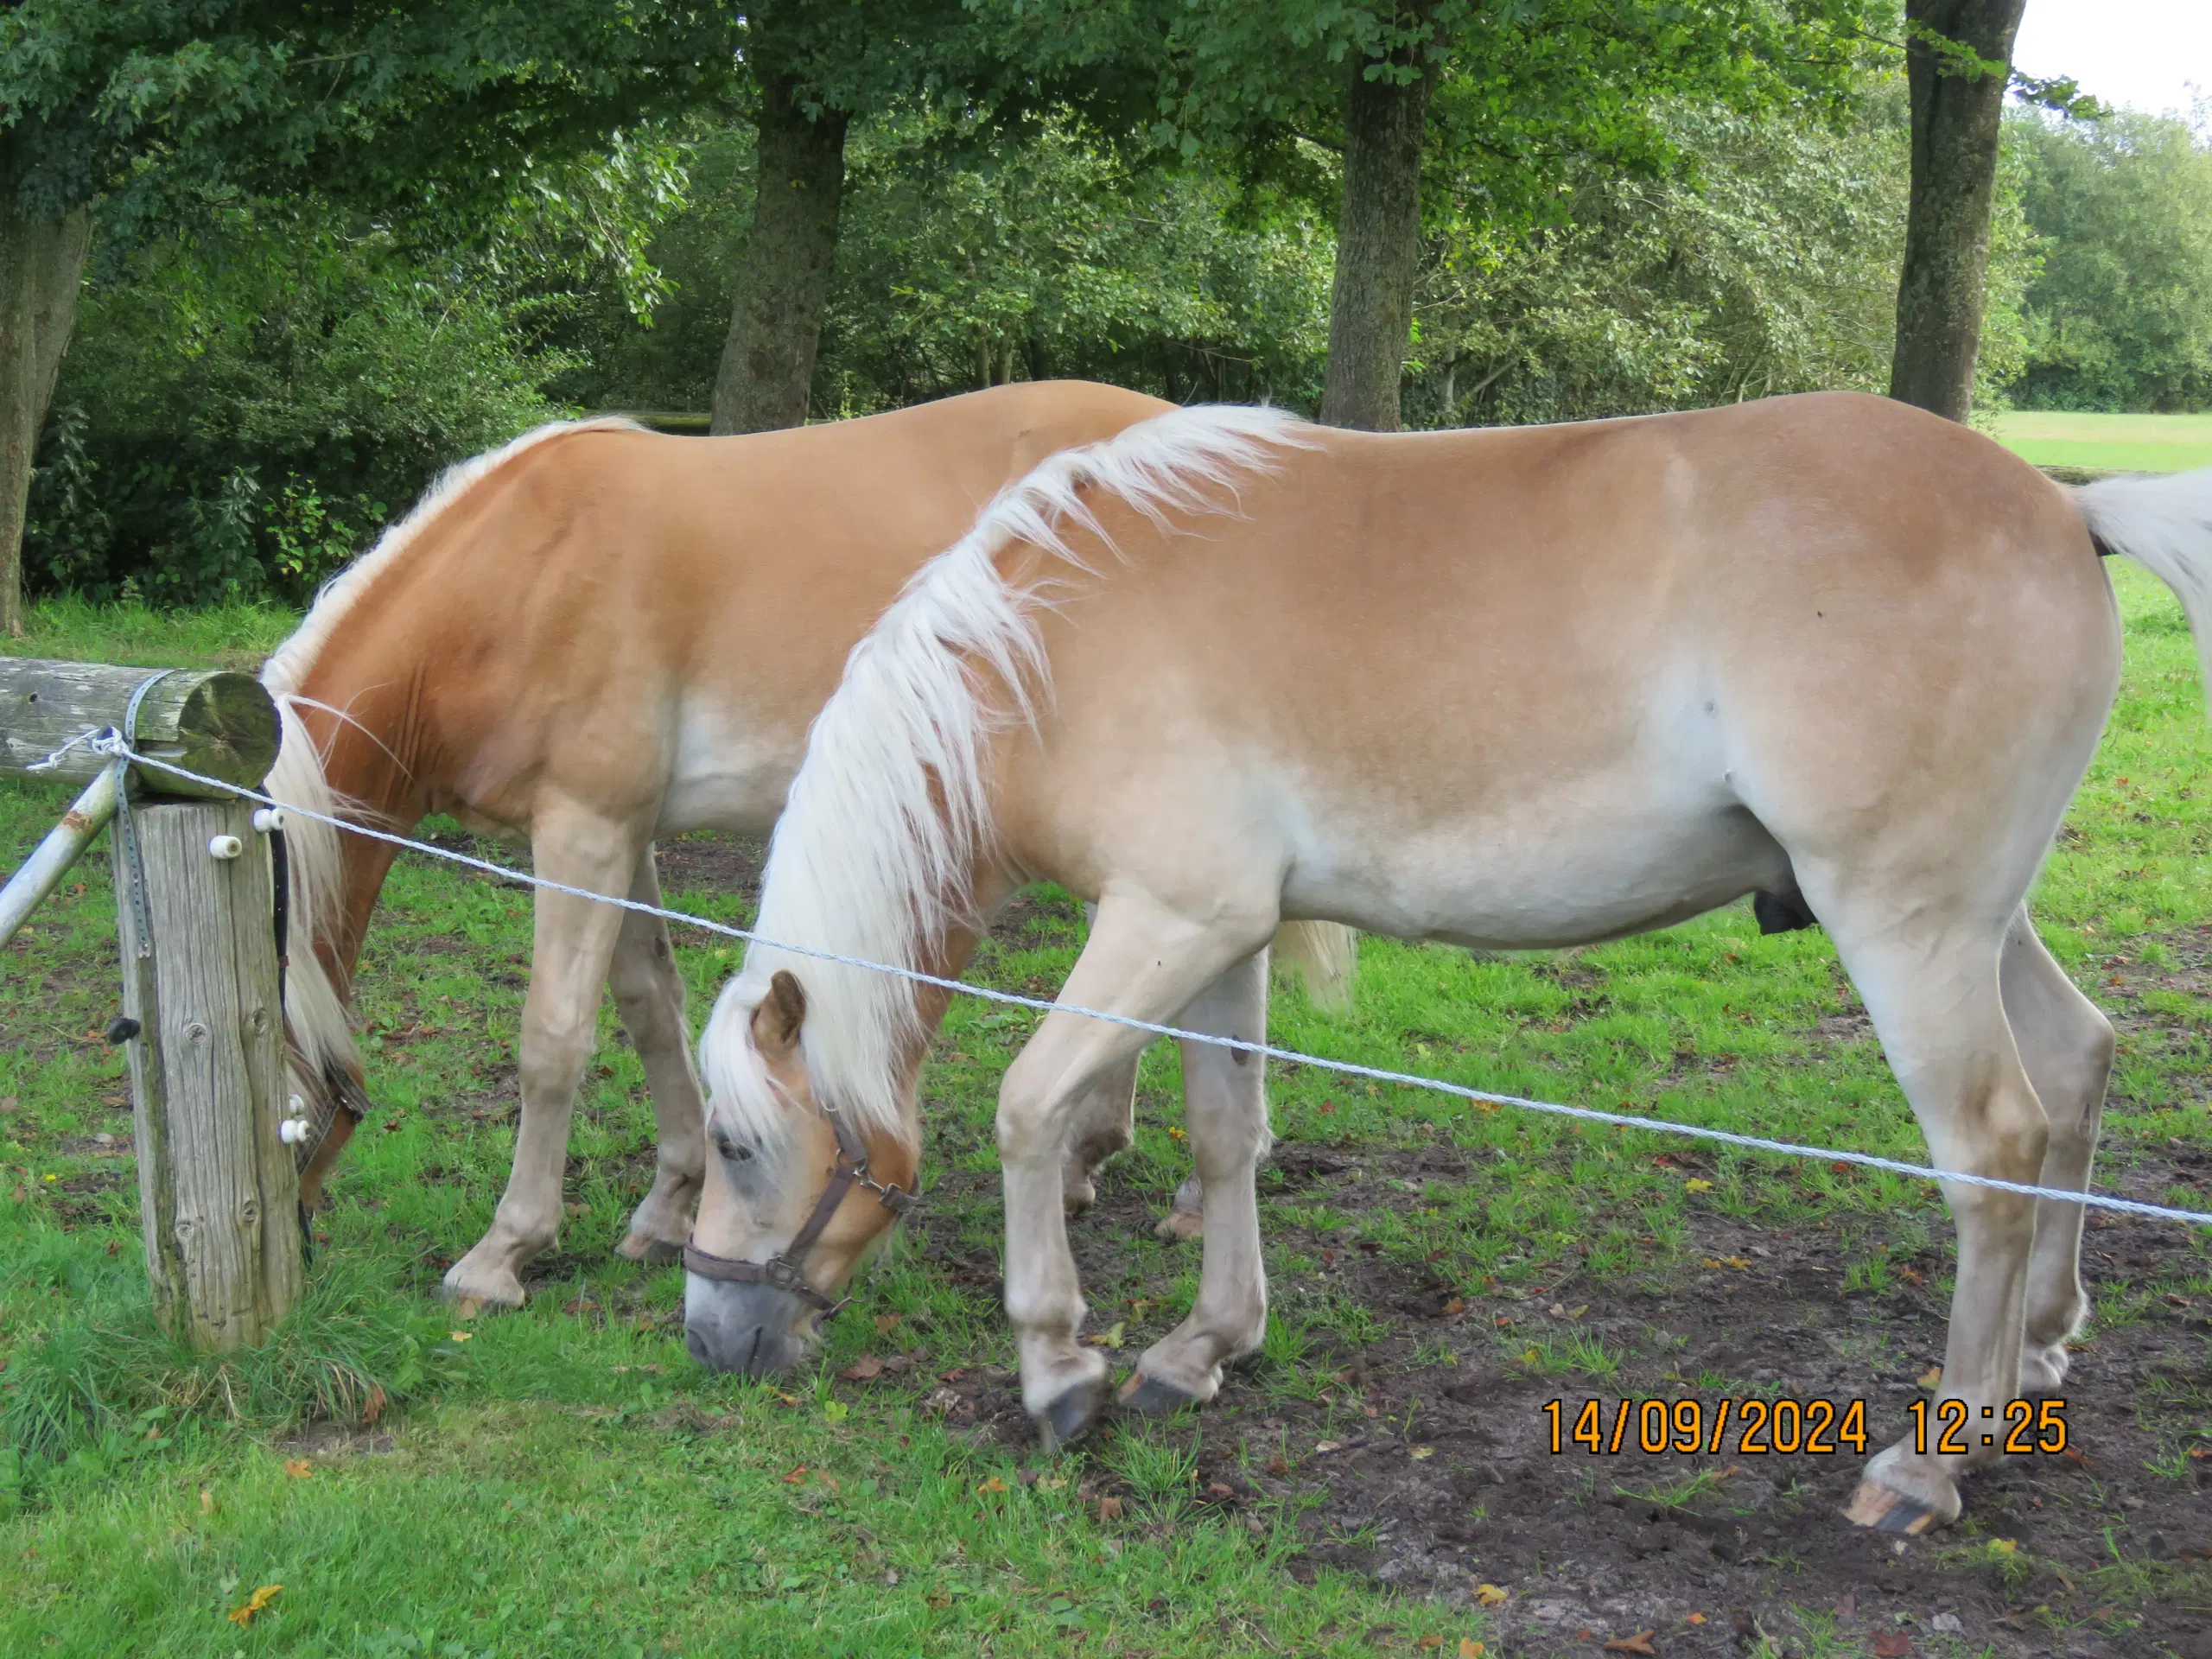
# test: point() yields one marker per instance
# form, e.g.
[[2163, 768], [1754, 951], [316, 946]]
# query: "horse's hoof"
[[476, 1290], [1077, 1195], [1069, 1418], [1177, 1225], [1147, 1397], [1881, 1509], [654, 1252]]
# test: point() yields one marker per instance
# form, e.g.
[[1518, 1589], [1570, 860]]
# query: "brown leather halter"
[[786, 1269]]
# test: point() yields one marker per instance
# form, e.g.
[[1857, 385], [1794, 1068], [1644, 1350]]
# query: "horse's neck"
[[379, 769]]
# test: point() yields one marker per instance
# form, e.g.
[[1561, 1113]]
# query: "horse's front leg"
[[1226, 1107], [570, 956], [1143, 961], [648, 994]]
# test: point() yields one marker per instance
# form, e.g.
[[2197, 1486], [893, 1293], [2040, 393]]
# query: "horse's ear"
[[776, 1022]]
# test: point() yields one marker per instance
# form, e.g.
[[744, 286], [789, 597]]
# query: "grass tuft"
[[348, 1352]]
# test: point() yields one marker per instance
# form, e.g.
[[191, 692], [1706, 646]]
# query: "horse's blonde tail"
[[2165, 525], [1324, 955]]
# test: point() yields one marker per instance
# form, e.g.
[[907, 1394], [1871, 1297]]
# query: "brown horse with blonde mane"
[[1506, 689], [541, 650]]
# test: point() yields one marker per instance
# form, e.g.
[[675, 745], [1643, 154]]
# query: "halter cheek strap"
[[786, 1270]]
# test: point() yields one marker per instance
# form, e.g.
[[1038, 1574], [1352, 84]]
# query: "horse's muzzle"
[[756, 1329]]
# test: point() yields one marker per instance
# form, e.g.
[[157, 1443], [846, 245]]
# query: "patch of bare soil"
[[1425, 1459], [708, 861]]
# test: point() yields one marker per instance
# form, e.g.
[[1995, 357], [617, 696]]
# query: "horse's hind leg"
[[1103, 1123], [1143, 961], [1936, 1005], [571, 951], [1226, 1107], [649, 993], [2067, 1046]]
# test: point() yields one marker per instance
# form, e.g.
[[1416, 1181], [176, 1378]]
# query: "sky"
[[2136, 52]]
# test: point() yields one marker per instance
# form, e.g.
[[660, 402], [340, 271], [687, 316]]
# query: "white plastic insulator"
[[299, 1107], [226, 847], [266, 818], [293, 1131]]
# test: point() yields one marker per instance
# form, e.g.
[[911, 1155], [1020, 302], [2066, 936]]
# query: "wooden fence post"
[[218, 1192], [202, 997]]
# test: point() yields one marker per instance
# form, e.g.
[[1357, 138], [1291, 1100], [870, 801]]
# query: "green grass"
[[2139, 443], [563, 1481]]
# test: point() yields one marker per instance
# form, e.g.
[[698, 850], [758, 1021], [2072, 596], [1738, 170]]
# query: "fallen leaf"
[[372, 1408], [207, 1501], [1421, 1452], [1530, 1357], [260, 1598], [1891, 1644], [1930, 1377], [299, 1468], [886, 1322], [1693, 1618], [796, 1477], [1489, 1595], [2200, 1451], [1327, 1108], [1640, 1642], [1052, 1484], [1278, 1464], [1322, 1448], [1176, 1135], [1109, 1509], [1697, 1186], [1739, 1262], [1110, 1338], [993, 1485], [1430, 1642], [860, 1370], [2004, 1546], [1471, 1649], [462, 1336], [1455, 1306]]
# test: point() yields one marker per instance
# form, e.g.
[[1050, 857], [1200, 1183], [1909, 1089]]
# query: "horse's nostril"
[[696, 1347]]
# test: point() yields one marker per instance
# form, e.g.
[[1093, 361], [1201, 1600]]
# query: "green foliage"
[[247, 404], [2121, 317]]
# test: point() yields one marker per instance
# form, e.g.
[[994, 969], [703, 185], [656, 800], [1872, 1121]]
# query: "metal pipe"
[[42, 871]]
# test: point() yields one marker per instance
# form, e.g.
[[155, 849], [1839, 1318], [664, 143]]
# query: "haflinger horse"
[[1514, 688], [538, 649]]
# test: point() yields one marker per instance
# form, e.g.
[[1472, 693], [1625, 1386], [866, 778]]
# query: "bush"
[[246, 405]]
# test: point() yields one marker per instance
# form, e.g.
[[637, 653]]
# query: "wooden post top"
[[218, 721]]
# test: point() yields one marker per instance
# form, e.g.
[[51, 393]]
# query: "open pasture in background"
[[564, 1481], [2120, 443]]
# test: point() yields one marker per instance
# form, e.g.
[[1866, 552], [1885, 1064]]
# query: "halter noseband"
[[786, 1269]]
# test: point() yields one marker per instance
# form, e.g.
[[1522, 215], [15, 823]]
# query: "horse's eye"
[[734, 1151]]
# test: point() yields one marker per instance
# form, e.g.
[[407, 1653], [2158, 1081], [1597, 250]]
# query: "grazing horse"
[[540, 650], [1512, 688]]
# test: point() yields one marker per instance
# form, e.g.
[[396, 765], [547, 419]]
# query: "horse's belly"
[[728, 773], [1536, 878]]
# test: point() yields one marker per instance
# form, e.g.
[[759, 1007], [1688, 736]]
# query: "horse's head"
[[795, 1195]]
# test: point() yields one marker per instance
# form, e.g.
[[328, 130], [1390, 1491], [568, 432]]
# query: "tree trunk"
[[1957, 115], [40, 265], [783, 277], [1378, 250]]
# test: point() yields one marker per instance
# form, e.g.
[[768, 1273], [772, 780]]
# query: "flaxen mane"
[[871, 857]]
